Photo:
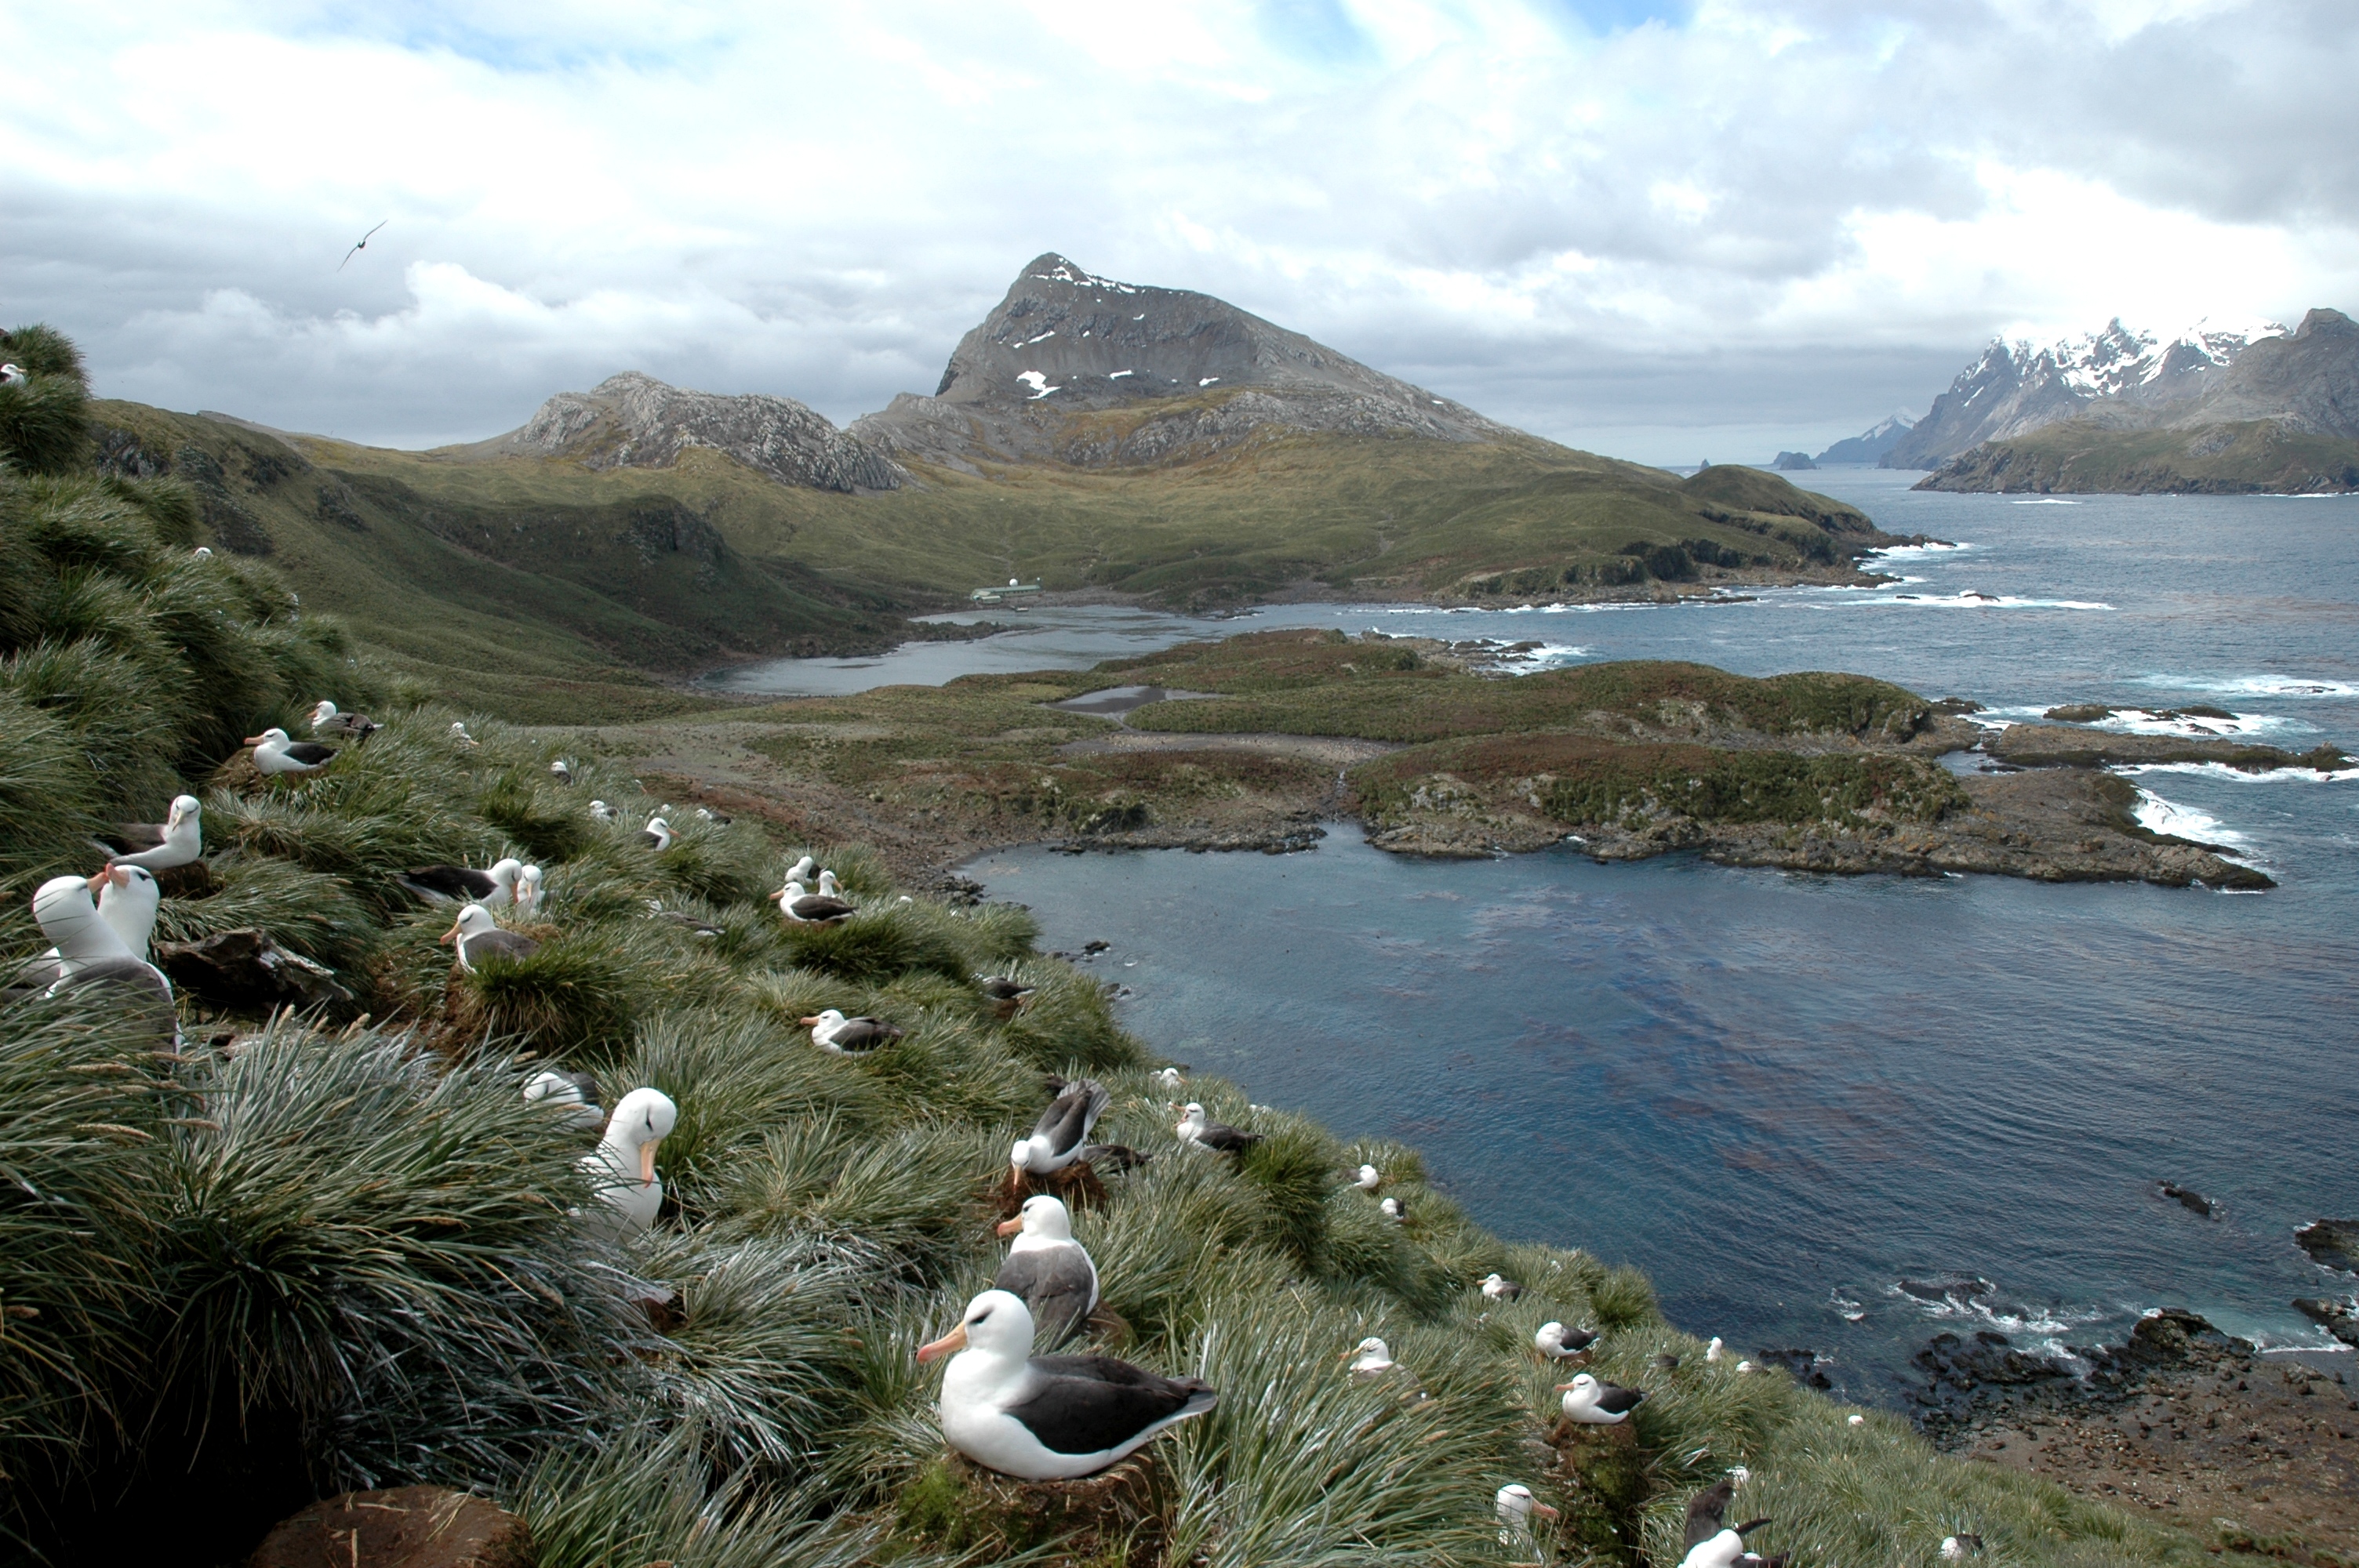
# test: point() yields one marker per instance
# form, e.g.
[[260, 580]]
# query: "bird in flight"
[[363, 245]]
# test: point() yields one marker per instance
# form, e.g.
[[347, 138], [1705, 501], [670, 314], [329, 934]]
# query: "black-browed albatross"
[[274, 751], [1047, 1418], [178, 841], [1063, 1130], [1049, 1270]]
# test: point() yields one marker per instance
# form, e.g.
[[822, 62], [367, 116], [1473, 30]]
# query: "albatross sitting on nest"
[[1515, 1506], [810, 908], [276, 752], [1047, 1418], [830, 1031], [1593, 1403], [1558, 1343], [1050, 1271], [623, 1167], [1063, 1133], [464, 884], [1194, 1129], [656, 835], [329, 720], [178, 841], [478, 936]]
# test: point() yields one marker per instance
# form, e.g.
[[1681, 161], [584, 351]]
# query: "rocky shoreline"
[[2252, 1452]]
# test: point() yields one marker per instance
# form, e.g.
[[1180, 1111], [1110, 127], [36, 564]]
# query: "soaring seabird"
[[1593, 1403], [362, 244], [91, 953], [1194, 1129], [1558, 1343], [528, 889], [1049, 1270], [178, 841], [478, 936], [274, 752], [1046, 1418], [602, 811], [1367, 1178], [329, 720], [1515, 1506], [657, 834], [573, 1097], [623, 1167], [464, 884], [1058, 1137], [830, 1031], [1498, 1289], [810, 908]]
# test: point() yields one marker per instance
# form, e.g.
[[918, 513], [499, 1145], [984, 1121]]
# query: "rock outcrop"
[[635, 421], [1075, 368], [1870, 445]]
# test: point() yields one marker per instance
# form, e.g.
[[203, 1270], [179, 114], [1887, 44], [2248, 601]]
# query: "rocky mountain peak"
[[633, 420], [1201, 374]]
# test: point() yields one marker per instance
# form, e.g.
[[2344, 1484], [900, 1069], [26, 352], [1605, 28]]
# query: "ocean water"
[[1839, 1114]]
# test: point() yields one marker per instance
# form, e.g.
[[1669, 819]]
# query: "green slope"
[[534, 580]]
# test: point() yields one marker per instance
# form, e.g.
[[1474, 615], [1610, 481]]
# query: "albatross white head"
[[1044, 1221], [1515, 1506], [70, 919], [1191, 1120], [622, 1166], [474, 920], [127, 901], [995, 1332], [1372, 1358], [528, 889]]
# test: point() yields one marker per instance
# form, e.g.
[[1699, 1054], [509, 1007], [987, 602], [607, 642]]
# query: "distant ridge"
[[2016, 388], [2281, 415], [635, 421], [1075, 368], [1870, 445]]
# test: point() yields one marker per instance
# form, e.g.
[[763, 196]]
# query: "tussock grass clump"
[[315, 915], [875, 946]]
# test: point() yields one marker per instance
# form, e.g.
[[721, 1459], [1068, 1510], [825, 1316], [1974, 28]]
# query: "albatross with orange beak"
[[478, 936], [623, 1167]]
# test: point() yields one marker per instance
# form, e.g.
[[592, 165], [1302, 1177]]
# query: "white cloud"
[[1757, 214]]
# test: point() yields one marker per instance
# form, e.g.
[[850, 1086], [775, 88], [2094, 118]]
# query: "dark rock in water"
[[409, 1526], [247, 970], [2333, 1242], [2338, 1318], [2193, 1201], [1957, 1290], [2167, 1337], [1957, 1367], [1808, 1366], [2079, 713], [1957, 705], [2195, 710]]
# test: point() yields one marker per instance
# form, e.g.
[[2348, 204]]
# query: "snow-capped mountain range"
[[2016, 387]]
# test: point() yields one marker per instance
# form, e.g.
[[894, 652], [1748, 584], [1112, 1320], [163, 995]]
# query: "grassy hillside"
[[2260, 457], [299, 1254], [557, 592]]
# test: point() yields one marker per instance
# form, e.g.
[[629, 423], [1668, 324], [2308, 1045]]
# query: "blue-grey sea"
[[1784, 1095]]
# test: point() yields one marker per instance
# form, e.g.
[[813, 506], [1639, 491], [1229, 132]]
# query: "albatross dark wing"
[[132, 837], [864, 1034], [1055, 1283], [1067, 1121], [310, 753], [819, 907], [1226, 1139], [1620, 1402], [457, 883], [499, 944], [1088, 1404]]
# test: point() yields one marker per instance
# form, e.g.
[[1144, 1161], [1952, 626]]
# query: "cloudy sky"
[[1665, 229]]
